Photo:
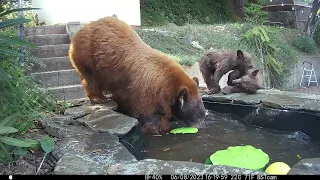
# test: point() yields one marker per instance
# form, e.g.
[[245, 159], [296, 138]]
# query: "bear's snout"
[[197, 123]]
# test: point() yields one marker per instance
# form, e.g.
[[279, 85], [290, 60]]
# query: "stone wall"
[[194, 71]]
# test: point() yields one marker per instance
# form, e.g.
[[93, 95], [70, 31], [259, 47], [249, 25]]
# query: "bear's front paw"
[[214, 90], [227, 90], [96, 100]]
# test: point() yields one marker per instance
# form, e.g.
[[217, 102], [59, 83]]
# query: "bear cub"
[[249, 83], [215, 63]]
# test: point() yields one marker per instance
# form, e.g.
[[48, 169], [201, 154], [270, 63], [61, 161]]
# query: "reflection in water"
[[225, 130]]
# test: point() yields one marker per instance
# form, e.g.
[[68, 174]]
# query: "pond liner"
[[268, 118]]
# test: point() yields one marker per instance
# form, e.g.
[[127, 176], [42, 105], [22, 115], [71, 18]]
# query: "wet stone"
[[109, 121], [88, 108], [91, 155], [308, 166], [58, 118], [60, 130], [312, 105], [270, 98], [96, 115], [153, 166]]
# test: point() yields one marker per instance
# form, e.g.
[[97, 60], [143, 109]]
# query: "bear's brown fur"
[[146, 84], [249, 83], [215, 63]]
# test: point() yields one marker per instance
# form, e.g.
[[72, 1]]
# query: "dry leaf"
[[33, 130], [97, 150], [157, 135], [298, 156], [166, 149]]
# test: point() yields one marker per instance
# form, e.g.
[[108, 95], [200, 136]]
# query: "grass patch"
[[181, 12]]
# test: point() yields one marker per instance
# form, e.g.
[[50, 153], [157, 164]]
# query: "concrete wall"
[[64, 11], [295, 77], [194, 71]]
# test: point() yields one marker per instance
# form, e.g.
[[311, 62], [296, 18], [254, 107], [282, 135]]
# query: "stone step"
[[52, 64], [57, 78], [67, 93], [49, 39], [44, 30], [48, 51]]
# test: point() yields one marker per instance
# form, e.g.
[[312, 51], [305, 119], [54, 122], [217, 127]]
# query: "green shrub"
[[254, 14], [305, 44], [285, 54], [21, 100], [27, 14], [316, 36]]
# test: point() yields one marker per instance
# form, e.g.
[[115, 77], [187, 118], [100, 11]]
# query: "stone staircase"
[[57, 75]]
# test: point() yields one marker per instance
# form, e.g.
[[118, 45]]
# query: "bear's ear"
[[255, 72], [240, 54], [182, 94], [196, 80]]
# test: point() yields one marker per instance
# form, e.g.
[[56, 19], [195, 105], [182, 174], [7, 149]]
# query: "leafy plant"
[[304, 43], [260, 39], [316, 36], [254, 14], [7, 141], [7, 41], [21, 100], [13, 4]]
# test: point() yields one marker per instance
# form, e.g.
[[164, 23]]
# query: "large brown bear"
[[215, 63], [249, 82], [146, 84]]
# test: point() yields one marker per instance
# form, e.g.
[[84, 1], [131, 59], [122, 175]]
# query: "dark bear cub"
[[215, 63]]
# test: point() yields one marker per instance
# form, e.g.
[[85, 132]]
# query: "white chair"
[[309, 73]]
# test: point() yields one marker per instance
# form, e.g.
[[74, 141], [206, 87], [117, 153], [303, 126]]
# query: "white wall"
[[64, 11]]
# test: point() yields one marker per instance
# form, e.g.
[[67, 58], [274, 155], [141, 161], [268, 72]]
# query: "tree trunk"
[[312, 20], [238, 8]]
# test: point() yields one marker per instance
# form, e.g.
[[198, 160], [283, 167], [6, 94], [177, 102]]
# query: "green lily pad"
[[208, 161], [241, 157], [184, 130]]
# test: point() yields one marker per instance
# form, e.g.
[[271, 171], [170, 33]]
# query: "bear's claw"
[[99, 100]]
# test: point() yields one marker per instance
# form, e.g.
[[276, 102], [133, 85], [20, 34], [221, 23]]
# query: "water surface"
[[224, 130]]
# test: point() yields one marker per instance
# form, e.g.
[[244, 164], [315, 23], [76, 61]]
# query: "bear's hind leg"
[[207, 78], [215, 82], [92, 88]]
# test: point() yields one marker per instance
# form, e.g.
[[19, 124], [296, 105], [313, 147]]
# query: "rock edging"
[[90, 145], [271, 98]]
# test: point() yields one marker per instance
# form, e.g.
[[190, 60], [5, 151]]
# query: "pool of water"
[[224, 130]]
